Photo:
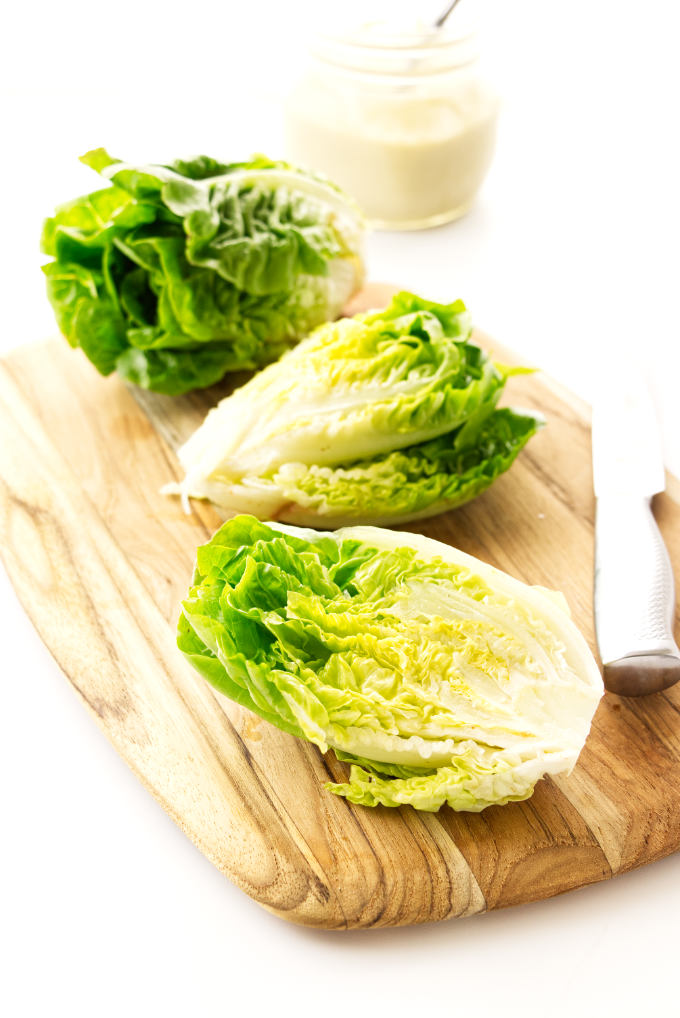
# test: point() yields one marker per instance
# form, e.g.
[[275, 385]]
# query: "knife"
[[634, 590]]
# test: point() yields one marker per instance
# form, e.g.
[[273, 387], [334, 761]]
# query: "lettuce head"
[[439, 678], [381, 418], [175, 275]]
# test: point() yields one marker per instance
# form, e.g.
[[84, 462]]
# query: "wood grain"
[[100, 561]]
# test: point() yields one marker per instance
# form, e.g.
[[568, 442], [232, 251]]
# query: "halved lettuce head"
[[380, 418], [175, 275], [439, 678]]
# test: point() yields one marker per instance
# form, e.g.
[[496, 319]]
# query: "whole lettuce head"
[[438, 677], [175, 275], [380, 418]]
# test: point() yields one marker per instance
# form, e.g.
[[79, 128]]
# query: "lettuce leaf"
[[417, 481], [384, 417], [439, 678], [195, 269]]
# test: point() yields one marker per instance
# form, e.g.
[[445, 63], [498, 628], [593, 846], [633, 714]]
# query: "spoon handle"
[[445, 13]]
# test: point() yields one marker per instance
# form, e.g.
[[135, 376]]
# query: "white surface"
[[570, 256]]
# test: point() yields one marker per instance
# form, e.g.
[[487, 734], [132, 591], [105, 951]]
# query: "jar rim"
[[394, 38], [394, 52]]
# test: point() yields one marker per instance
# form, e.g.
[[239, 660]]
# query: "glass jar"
[[402, 120]]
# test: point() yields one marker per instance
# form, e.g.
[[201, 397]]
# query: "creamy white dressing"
[[408, 131]]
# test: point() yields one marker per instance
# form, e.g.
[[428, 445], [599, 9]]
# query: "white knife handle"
[[634, 598]]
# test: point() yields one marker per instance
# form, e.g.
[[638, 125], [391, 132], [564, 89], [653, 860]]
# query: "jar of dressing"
[[402, 120]]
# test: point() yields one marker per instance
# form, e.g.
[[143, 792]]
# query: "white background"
[[570, 256]]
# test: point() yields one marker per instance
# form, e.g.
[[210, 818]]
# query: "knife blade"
[[634, 588]]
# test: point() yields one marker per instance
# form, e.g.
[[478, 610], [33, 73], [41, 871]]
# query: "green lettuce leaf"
[[439, 678], [418, 481], [383, 417], [87, 316], [243, 257]]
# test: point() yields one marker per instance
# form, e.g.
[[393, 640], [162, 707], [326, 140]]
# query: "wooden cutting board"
[[100, 561]]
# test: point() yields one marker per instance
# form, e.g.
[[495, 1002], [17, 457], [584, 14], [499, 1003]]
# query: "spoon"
[[445, 13]]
